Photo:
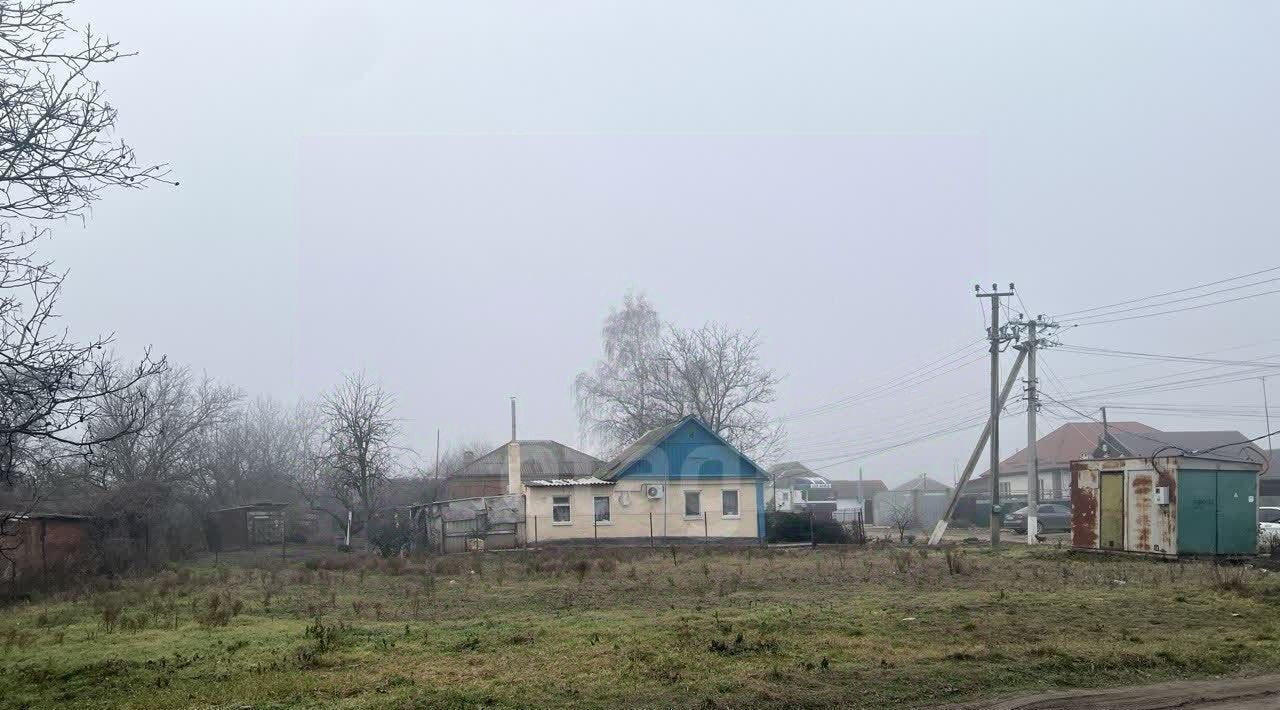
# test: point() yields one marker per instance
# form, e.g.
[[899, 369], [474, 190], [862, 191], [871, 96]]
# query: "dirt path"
[[1260, 693]]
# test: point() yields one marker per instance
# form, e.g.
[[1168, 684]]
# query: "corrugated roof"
[[641, 447], [539, 458], [1234, 444], [557, 482]]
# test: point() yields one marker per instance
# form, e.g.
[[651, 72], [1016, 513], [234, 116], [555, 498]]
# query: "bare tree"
[[57, 155], [56, 147], [358, 449], [902, 518], [652, 375]]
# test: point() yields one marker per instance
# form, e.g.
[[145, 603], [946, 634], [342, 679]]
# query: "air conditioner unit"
[[653, 491]]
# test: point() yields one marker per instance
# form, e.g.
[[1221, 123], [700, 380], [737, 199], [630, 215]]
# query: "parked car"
[[1268, 524], [1049, 518]]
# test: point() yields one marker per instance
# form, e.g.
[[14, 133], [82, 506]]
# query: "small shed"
[[1165, 505], [41, 541], [242, 526]]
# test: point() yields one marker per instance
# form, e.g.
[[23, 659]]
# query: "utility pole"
[[437, 452], [513, 418], [1033, 460], [1266, 412], [1106, 436], [996, 338]]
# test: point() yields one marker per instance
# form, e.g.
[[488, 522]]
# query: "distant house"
[[921, 499], [858, 496], [1054, 453], [796, 488], [539, 459]]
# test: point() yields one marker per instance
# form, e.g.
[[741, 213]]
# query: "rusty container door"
[[1237, 513], [1111, 506]]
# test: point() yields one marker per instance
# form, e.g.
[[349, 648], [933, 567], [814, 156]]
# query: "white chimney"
[[513, 468]]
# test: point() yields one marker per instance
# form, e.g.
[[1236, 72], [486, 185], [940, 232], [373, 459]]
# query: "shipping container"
[[1168, 505]]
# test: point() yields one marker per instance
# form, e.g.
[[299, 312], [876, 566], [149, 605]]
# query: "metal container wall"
[[1164, 506]]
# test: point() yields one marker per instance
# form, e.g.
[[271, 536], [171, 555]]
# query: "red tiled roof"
[[1070, 441]]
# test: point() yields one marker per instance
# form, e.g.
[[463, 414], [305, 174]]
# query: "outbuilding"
[[1165, 505]]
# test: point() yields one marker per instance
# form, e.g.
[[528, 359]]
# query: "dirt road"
[[1260, 693]]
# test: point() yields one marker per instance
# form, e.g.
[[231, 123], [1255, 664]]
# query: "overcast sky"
[[452, 195]]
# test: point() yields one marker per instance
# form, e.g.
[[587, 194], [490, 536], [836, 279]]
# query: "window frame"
[[737, 504], [568, 509], [685, 499], [608, 511]]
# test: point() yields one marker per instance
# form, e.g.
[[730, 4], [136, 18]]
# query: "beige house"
[[677, 481]]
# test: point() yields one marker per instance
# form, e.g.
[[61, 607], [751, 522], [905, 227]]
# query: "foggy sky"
[[452, 195]]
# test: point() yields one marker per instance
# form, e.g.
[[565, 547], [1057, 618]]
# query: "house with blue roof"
[[677, 481]]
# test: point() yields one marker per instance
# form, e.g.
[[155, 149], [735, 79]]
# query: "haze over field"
[[453, 195]]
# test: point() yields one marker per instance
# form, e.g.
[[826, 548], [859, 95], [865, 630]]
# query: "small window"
[[692, 503], [729, 503], [560, 509], [602, 509], [1269, 515], [1006, 488]]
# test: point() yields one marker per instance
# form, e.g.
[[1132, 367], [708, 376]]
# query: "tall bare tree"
[[57, 155], [653, 374], [358, 449]]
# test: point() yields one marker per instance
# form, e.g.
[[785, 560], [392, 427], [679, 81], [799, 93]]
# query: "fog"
[[451, 196]]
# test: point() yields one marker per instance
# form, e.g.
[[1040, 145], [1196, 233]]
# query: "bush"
[[794, 527]]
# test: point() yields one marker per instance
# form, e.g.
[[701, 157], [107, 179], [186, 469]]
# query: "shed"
[[241, 526], [1166, 505]]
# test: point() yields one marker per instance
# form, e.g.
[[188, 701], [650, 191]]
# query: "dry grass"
[[864, 627]]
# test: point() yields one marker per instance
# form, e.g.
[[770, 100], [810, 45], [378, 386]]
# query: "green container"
[[1217, 512]]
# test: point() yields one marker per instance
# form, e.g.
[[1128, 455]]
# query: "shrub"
[[955, 560], [794, 527]]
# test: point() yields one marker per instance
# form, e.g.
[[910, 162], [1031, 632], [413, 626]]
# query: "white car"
[[1268, 525]]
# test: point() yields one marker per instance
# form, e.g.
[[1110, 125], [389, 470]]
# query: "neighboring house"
[[922, 499], [857, 496], [1054, 453], [677, 481], [796, 488], [539, 459], [680, 481]]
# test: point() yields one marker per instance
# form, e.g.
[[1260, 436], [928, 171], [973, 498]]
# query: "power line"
[[1168, 358], [1166, 293], [1176, 310], [1184, 299]]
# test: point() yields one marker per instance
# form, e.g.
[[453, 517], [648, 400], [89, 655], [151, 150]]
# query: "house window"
[[692, 503], [1006, 487], [729, 503], [560, 509], [602, 509]]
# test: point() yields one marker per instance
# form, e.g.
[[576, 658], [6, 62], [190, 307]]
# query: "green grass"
[[866, 627]]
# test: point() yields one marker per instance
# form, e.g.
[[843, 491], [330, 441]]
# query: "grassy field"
[[853, 627]]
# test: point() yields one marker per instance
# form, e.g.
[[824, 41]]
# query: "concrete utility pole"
[[1033, 460], [513, 418], [1266, 412], [996, 337], [941, 527], [1106, 436]]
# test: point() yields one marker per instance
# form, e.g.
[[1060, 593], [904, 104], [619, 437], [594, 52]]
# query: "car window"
[[1269, 515]]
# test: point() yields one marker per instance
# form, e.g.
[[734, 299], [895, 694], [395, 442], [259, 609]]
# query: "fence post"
[[651, 528], [535, 531], [812, 540], [595, 529], [704, 525], [284, 538]]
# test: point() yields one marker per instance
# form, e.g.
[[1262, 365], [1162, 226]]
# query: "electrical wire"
[[1166, 293], [1177, 310], [1184, 299]]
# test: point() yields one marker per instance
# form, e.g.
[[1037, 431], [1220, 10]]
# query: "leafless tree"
[[358, 448], [57, 151], [652, 375], [57, 155], [902, 517]]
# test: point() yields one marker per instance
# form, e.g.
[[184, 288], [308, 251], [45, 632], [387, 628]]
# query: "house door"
[[1111, 519]]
